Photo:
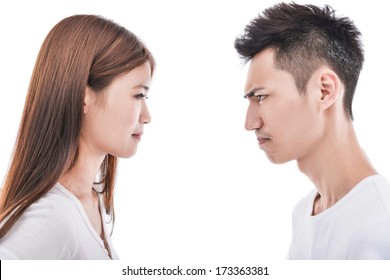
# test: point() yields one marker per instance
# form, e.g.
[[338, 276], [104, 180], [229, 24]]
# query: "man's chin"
[[277, 159]]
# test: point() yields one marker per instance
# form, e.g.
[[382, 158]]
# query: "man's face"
[[287, 124]]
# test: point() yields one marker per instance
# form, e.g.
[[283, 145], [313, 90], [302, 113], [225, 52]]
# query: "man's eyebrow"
[[252, 92]]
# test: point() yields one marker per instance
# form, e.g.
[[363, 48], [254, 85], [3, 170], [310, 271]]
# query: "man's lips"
[[262, 140]]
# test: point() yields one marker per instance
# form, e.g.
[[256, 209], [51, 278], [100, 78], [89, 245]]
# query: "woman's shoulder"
[[46, 230], [56, 207]]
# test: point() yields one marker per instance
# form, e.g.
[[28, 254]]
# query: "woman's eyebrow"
[[145, 87]]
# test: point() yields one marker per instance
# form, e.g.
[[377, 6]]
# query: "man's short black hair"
[[305, 37]]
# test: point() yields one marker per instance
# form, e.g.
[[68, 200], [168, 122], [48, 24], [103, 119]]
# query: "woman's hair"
[[305, 37], [80, 51]]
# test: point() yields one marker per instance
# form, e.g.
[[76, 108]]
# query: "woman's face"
[[114, 122]]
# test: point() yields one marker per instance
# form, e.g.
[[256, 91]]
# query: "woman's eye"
[[141, 96]]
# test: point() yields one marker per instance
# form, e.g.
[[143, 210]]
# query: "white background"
[[199, 190]]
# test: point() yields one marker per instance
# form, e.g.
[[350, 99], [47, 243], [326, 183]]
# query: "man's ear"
[[330, 86], [89, 99]]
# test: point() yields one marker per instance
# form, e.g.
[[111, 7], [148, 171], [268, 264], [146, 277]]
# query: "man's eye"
[[254, 97], [259, 98], [141, 96]]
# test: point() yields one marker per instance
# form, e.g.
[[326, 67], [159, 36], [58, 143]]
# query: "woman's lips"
[[137, 136]]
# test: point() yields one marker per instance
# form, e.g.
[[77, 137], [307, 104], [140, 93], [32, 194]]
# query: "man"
[[305, 64]]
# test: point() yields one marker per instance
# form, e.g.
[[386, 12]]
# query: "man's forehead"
[[259, 67]]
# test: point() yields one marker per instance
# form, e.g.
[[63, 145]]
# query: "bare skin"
[[79, 181], [311, 128], [112, 126]]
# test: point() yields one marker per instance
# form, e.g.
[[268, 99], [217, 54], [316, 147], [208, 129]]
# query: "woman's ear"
[[330, 86], [89, 99]]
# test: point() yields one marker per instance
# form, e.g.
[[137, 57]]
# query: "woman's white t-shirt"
[[56, 227]]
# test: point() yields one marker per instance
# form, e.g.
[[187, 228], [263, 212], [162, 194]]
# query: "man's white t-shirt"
[[356, 227], [56, 227]]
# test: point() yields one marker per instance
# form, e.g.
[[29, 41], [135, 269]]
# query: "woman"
[[85, 107]]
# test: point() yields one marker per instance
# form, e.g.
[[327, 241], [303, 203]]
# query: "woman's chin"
[[126, 154]]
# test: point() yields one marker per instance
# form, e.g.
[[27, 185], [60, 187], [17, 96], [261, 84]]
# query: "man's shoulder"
[[377, 188], [370, 241]]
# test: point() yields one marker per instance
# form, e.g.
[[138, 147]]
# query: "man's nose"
[[253, 120]]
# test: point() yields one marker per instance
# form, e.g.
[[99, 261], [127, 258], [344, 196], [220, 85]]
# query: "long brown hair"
[[80, 51]]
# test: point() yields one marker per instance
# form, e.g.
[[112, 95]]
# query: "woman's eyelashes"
[[141, 96]]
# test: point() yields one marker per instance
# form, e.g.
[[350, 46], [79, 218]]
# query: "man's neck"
[[336, 166]]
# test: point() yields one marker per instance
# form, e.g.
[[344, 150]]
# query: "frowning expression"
[[285, 121]]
